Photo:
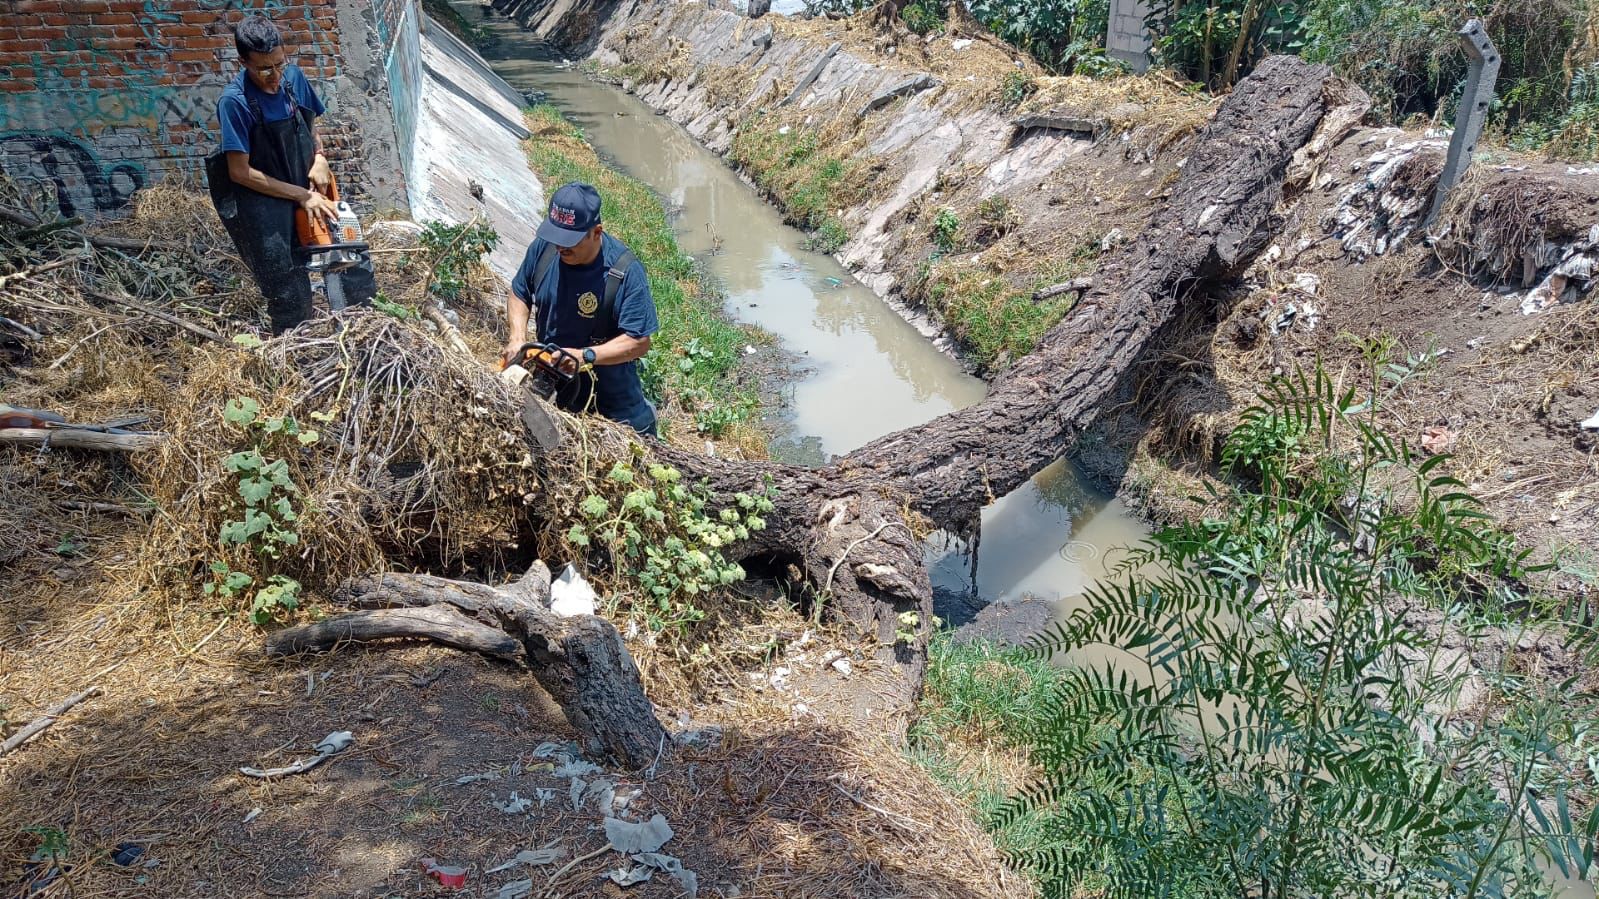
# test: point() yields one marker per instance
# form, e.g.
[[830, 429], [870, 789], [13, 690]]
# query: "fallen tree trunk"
[[580, 660], [847, 524], [1219, 215], [851, 530]]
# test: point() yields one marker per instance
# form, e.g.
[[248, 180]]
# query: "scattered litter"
[[749, 350], [700, 737], [516, 889], [551, 750], [254, 814], [531, 857], [602, 792], [571, 595], [576, 768], [1437, 439], [126, 854], [628, 875], [842, 666], [543, 795], [575, 792], [452, 876], [779, 677], [1592, 423], [1585, 170], [833, 282], [1307, 283], [670, 864], [331, 744], [465, 779], [1282, 318], [629, 838], [784, 130], [515, 805], [1112, 238], [961, 43]]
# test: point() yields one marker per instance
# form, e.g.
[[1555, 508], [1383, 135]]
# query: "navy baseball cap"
[[574, 211]]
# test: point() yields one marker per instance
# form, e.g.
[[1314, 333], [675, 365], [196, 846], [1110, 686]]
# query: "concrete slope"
[[469, 156]]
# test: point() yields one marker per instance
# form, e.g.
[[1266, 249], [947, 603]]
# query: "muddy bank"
[[956, 181]]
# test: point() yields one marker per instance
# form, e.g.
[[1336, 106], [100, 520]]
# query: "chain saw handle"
[[547, 358]]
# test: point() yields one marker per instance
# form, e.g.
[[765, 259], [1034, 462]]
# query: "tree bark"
[[846, 525], [580, 660]]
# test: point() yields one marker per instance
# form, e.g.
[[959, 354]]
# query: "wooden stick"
[[1077, 285], [76, 439], [45, 720], [19, 326], [157, 313], [104, 241], [439, 623]]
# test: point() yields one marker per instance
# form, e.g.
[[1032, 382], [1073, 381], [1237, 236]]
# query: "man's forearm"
[[516, 317], [621, 348], [259, 182]]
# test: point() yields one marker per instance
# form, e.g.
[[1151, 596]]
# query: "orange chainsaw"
[[544, 370], [331, 247]]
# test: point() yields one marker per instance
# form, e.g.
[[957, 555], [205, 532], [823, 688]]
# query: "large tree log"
[[845, 523], [1219, 215], [579, 660]]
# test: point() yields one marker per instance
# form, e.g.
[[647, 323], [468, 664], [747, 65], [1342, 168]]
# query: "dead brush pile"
[[393, 453], [352, 443]]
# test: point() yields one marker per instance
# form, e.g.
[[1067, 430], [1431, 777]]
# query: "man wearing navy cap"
[[586, 292]]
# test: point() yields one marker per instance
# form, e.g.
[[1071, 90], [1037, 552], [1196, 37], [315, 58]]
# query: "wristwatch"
[[588, 355]]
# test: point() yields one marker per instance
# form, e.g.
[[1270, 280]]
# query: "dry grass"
[[411, 468]]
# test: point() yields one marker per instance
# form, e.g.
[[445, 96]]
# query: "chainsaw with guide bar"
[[330, 248], [543, 370]]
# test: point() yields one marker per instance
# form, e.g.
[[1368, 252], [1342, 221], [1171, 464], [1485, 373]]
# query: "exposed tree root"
[[579, 660]]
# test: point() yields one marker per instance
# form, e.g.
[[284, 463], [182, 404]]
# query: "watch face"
[[588, 355]]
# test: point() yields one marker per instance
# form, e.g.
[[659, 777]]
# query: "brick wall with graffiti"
[[101, 97]]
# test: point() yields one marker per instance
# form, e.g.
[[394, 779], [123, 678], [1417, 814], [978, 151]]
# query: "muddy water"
[[865, 371]]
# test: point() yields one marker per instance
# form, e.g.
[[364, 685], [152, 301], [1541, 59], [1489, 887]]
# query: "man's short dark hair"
[[256, 34]]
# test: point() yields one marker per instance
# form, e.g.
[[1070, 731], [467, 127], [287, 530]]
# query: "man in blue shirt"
[[275, 165], [586, 292]]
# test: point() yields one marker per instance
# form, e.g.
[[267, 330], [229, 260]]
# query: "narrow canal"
[[865, 371]]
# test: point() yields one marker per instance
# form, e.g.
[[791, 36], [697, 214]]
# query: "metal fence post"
[[1483, 71]]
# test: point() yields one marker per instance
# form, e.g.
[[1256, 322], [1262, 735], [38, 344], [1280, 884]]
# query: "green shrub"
[[1271, 724], [946, 225], [925, 16]]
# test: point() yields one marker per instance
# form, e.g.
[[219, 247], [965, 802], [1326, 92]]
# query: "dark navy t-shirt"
[[233, 109], [561, 318]]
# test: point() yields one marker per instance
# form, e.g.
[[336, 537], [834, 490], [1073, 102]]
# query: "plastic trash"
[[515, 805], [451, 876], [516, 889], [629, 838], [331, 744], [126, 854], [1592, 424], [670, 864], [531, 857], [571, 595], [628, 875]]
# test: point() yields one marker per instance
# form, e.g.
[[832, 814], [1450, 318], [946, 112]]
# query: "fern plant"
[[1269, 721]]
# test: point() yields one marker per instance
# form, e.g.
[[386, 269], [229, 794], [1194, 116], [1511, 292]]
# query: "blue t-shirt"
[[233, 109], [561, 318]]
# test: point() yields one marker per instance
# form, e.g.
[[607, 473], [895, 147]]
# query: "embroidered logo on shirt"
[[587, 304], [564, 217]]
